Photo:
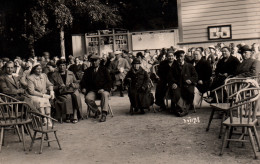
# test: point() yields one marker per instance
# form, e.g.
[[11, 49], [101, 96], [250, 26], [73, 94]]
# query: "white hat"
[[118, 52]]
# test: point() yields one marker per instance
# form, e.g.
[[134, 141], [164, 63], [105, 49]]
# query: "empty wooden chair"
[[243, 115], [221, 103], [13, 114], [44, 130]]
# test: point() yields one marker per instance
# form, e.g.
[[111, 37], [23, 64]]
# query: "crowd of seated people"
[[56, 84]]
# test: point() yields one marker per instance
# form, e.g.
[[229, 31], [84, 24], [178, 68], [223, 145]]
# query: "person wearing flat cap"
[[182, 81], [249, 67], [138, 81], [96, 83], [119, 69]]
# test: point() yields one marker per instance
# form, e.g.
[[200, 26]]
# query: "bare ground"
[[150, 138]]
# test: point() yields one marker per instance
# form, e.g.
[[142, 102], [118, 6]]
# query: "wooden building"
[[205, 22]]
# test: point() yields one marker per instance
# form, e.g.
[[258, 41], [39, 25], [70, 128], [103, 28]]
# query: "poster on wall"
[[153, 40], [219, 32]]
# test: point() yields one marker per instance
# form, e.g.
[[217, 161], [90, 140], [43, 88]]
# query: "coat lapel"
[[11, 81], [59, 79]]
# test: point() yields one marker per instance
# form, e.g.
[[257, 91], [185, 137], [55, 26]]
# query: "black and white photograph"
[[129, 81]]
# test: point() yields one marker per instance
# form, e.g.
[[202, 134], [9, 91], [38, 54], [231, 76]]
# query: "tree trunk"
[[62, 43]]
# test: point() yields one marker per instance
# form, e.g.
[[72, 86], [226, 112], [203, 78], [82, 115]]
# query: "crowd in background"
[[55, 83]]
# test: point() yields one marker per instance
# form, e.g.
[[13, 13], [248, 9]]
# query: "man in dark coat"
[[138, 81], [97, 81], [182, 80], [249, 67], [161, 88], [204, 71]]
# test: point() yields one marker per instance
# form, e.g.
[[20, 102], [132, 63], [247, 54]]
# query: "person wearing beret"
[[96, 82], [249, 67], [68, 99], [161, 87], [138, 81], [182, 80]]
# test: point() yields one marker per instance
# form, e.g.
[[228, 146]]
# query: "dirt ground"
[[151, 138]]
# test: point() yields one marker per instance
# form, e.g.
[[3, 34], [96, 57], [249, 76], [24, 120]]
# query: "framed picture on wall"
[[219, 32]]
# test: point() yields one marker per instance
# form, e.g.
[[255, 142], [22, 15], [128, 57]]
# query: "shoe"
[[136, 109], [142, 111], [97, 114], [74, 121], [103, 118], [181, 114]]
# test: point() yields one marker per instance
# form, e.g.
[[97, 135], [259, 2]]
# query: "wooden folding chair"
[[222, 100], [243, 114], [39, 127]]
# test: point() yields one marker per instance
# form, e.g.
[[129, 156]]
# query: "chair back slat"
[[245, 105], [12, 111]]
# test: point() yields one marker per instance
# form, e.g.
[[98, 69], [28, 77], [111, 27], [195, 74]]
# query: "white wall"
[[196, 15]]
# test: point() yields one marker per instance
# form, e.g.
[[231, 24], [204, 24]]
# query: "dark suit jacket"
[[204, 72], [163, 71], [93, 81], [229, 67], [179, 76], [9, 86], [249, 67]]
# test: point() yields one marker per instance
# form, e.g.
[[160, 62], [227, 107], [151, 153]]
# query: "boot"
[[103, 117]]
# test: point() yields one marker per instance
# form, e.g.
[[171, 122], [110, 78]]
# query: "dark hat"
[[136, 61], [61, 61], [95, 57], [51, 63], [246, 48], [111, 55], [179, 52], [140, 54]]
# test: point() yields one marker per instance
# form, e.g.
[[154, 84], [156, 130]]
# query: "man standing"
[[96, 81], [182, 80]]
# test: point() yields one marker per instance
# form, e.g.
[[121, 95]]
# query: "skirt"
[[40, 102]]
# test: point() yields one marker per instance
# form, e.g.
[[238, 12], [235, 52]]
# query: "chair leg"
[[244, 133], [131, 110], [153, 109], [42, 138], [110, 110], [252, 141], [33, 139], [22, 128], [201, 99], [18, 133], [230, 135], [221, 125], [28, 130], [57, 140], [224, 140], [1, 138], [210, 118], [257, 138], [47, 137]]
